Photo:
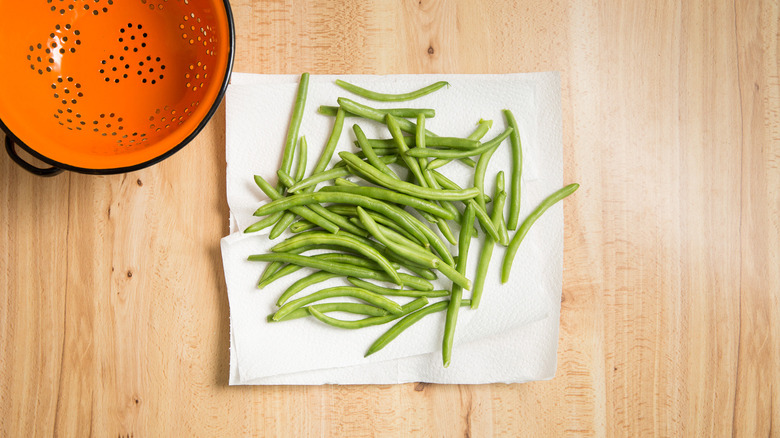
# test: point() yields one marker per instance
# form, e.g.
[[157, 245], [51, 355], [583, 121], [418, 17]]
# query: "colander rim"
[[125, 169]]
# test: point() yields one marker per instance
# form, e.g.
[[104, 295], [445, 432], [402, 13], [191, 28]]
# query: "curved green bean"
[[416, 255], [367, 112], [413, 254], [457, 153], [385, 97], [350, 210], [371, 156], [302, 212], [330, 145], [287, 219], [341, 269], [479, 173], [388, 210], [482, 128], [497, 216], [264, 223], [398, 139], [396, 292], [339, 291], [331, 257], [380, 178], [303, 283], [449, 184], [498, 204], [407, 322], [326, 110], [367, 322], [356, 308], [295, 124], [511, 250], [395, 198], [340, 221], [517, 170], [327, 175], [319, 238], [464, 242]]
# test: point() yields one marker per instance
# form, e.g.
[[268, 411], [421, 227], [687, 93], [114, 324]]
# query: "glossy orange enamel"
[[108, 84]]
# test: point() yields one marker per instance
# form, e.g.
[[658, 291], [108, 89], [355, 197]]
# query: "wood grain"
[[113, 310]]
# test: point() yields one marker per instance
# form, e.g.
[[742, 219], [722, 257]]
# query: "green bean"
[[352, 211], [389, 232], [446, 231], [397, 292], [340, 221], [479, 174], [330, 146], [286, 220], [404, 187], [517, 170], [371, 156], [339, 291], [302, 212], [439, 162], [269, 272], [373, 114], [395, 198], [464, 241], [384, 97], [433, 240], [341, 269], [319, 238], [371, 321], [356, 308], [414, 254], [434, 142], [388, 210], [482, 128], [487, 247], [398, 139], [303, 283], [303, 148], [451, 153], [484, 220], [344, 183], [295, 124], [314, 179], [331, 257], [397, 112], [449, 184], [264, 222], [407, 322], [301, 226], [330, 174], [499, 205], [511, 250]]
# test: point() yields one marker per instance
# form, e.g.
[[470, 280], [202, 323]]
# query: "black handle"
[[9, 147]]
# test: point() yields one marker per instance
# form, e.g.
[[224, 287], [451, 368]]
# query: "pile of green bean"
[[369, 231]]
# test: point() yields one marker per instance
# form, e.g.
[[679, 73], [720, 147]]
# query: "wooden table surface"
[[113, 309]]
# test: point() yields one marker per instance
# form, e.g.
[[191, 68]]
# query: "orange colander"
[[110, 86]]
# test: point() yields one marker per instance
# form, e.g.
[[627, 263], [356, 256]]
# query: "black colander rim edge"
[[166, 154]]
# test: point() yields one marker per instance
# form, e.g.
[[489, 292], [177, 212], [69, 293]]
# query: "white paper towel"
[[512, 337]]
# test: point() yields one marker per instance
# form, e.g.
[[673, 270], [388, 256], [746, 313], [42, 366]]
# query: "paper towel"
[[511, 337]]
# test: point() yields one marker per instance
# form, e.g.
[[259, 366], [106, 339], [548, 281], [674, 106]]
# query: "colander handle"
[[9, 147]]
